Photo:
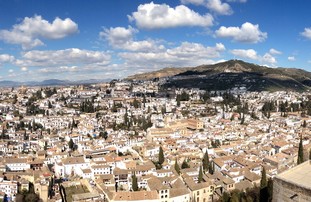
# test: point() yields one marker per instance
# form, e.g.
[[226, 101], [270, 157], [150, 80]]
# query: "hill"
[[231, 74], [50, 82]]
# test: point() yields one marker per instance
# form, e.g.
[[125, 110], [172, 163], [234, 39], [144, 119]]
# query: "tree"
[[49, 105], [136, 103], [104, 135], [235, 197], [210, 169], [310, 154], [263, 197], [25, 135], [304, 124], [176, 166], [134, 183], [205, 161], [14, 99], [300, 152], [184, 165], [71, 144], [225, 197], [161, 156], [270, 189], [200, 177], [263, 181]]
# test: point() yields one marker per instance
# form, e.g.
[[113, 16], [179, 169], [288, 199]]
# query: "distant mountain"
[[8, 83], [50, 82], [233, 73], [169, 71]]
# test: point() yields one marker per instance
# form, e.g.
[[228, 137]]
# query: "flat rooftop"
[[84, 196], [299, 175]]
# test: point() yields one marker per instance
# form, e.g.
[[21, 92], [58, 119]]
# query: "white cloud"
[[118, 36], [218, 7], [24, 69], [187, 54], [5, 58], [306, 33], [122, 38], [238, 1], [248, 33], [11, 71], [193, 50], [73, 56], [249, 53], [60, 69], [268, 58], [31, 30], [252, 54], [291, 58], [195, 2], [273, 51], [155, 16]]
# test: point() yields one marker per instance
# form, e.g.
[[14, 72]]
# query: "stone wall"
[[285, 191]]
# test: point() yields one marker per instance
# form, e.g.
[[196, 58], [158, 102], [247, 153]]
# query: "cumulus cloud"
[[306, 33], [24, 69], [291, 58], [32, 30], [123, 38], [60, 69], [187, 54], [215, 6], [247, 33], [73, 56], [218, 7], [248, 54], [195, 2], [156, 16], [273, 51], [238, 1], [6, 58], [268, 58], [252, 54]]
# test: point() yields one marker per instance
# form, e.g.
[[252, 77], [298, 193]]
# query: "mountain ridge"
[[233, 73], [50, 82]]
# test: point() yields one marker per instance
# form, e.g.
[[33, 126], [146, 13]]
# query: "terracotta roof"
[[135, 196]]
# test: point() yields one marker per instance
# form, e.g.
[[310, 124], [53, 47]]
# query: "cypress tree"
[[205, 161], [71, 144], [134, 183], [225, 197], [304, 124], [184, 165], [161, 156], [177, 168], [263, 181], [264, 195], [300, 152], [270, 189], [200, 177], [210, 169]]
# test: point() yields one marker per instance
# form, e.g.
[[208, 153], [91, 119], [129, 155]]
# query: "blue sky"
[[78, 39]]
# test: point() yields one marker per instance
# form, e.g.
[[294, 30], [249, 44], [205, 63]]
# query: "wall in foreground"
[[285, 191]]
